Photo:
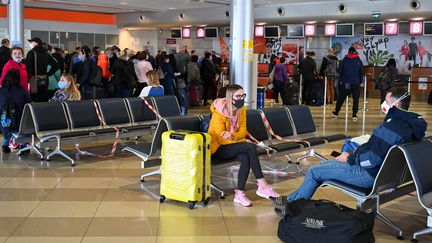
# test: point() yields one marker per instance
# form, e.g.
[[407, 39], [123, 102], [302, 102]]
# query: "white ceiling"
[[124, 6]]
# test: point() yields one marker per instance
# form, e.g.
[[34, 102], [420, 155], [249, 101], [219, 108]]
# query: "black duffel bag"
[[322, 221]]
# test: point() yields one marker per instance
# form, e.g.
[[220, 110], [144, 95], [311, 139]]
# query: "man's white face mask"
[[385, 107]]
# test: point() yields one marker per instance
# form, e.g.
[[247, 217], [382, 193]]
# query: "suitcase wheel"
[[162, 198], [191, 205], [206, 201]]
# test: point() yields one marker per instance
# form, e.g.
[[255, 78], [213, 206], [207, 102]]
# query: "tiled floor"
[[102, 200]]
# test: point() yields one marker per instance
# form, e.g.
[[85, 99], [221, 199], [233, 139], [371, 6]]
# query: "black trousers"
[[278, 89], [248, 157], [306, 90], [344, 92]]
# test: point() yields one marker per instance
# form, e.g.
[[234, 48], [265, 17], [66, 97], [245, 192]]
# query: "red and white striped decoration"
[[151, 108], [270, 130], [114, 146]]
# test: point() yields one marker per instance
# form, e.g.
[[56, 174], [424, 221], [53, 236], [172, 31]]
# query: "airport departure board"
[[373, 29]]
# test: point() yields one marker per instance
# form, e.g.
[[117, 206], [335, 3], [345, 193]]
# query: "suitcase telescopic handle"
[[177, 136]]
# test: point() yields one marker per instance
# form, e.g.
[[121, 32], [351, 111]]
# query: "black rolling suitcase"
[[290, 94], [316, 93], [325, 222]]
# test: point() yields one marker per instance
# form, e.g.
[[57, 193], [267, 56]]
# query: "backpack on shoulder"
[[323, 221], [9, 114], [383, 80], [95, 78]]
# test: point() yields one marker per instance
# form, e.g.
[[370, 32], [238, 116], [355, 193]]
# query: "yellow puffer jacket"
[[220, 123]]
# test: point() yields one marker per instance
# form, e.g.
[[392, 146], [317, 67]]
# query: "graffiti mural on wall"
[[267, 49], [409, 51]]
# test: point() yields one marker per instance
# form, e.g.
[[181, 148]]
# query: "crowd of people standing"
[[49, 73]]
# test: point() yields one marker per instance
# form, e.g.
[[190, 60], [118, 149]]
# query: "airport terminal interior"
[[66, 179]]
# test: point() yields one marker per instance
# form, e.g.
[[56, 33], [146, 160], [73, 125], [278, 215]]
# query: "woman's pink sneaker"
[[240, 198], [266, 192]]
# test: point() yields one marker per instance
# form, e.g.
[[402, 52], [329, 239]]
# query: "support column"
[[16, 22], [241, 58]]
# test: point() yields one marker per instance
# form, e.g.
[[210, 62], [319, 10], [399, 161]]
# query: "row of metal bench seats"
[[48, 124], [405, 169], [288, 122]]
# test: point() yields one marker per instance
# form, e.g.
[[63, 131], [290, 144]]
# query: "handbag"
[[161, 73], [323, 221], [38, 82], [271, 75]]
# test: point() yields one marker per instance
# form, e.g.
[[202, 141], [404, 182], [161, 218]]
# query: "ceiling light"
[[123, 3], [311, 22], [331, 22], [417, 19], [392, 20]]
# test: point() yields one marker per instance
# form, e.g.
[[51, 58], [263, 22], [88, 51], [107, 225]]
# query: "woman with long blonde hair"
[[68, 90], [228, 132]]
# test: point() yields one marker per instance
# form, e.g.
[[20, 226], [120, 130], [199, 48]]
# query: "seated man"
[[361, 167]]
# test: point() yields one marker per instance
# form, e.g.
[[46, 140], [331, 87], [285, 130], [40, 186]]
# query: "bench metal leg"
[[58, 151], [154, 172], [387, 221], [312, 154], [421, 232], [424, 231], [290, 164], [32, 146], [220, 191], [61, 153]]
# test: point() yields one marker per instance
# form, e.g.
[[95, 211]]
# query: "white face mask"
[[386, 107], [17, 59]]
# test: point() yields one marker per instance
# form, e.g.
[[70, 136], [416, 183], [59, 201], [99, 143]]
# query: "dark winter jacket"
[[399, 127], [123, 74], [83, 72], [168, 71], [207, 68], [5, 56], [19, 96], [329, 66], [351, 69], [43, 60], [307, 68]]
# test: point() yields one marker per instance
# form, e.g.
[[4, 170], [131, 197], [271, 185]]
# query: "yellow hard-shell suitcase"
[[186, 167]]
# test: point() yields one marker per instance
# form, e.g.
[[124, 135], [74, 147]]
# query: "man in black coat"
[[40, 57], [5, 53]]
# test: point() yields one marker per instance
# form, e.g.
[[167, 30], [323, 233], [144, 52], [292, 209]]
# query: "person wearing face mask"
[[16, 63], [103, 63], [208, 74], [83, 73], [68, 90], [37, 61], [228, 132], [360, 168]]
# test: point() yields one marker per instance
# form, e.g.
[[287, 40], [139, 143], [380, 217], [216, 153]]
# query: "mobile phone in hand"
[[335, 154]]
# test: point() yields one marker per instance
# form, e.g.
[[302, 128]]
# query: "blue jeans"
[[7, 135], [332, 170]]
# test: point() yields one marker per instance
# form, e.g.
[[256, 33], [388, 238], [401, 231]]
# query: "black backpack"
[[95, 78], [9, 114], [325, 222], [383, 80]]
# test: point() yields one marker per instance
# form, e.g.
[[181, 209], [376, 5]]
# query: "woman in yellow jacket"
[[228, 131]]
